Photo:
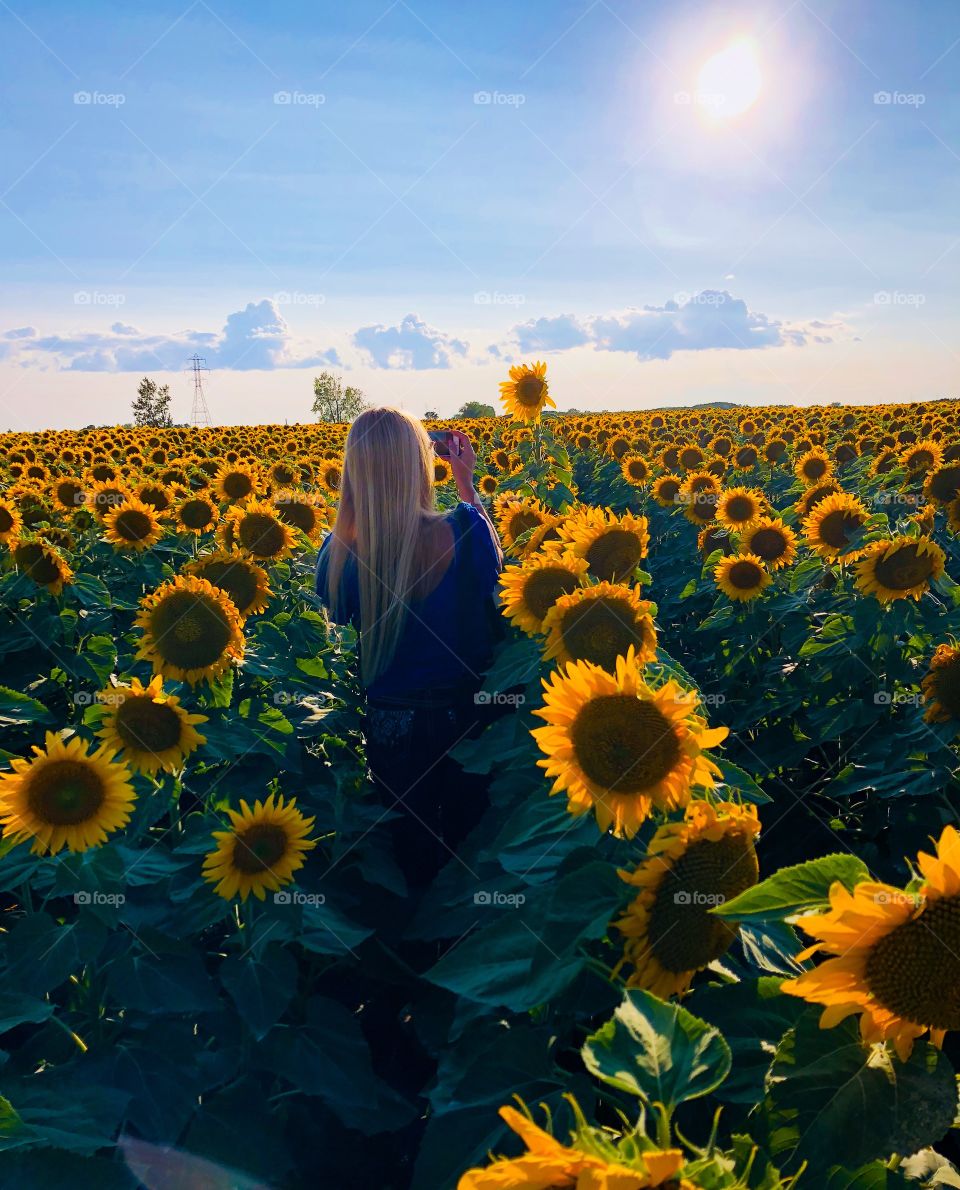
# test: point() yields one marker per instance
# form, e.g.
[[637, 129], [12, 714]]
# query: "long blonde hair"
[[386, 494]]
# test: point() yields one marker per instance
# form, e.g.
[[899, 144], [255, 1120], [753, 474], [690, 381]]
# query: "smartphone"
[[442, 441]]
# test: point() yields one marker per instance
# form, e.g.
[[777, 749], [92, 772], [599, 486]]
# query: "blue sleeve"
[[348, 605], [483, 551]]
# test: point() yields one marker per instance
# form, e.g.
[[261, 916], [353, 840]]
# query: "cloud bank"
[[412, 344]]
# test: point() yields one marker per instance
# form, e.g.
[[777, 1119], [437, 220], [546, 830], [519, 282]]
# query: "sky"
[[670, 203]]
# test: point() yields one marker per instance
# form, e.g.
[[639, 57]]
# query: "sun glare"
[[730, 81]]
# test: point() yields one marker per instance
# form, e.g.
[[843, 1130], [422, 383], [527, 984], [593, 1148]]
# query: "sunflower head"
[[526, 393], [265, 846], [666, 490], [742, 577], [11, 521], [899, 568], [635, 469], [833, 527], [148, 726], [529, 591], [259, 531], [191, 630], [600, 623], [770, 540], [65, 796], [132, 526], [244, 582], [306, 513], [941, 686], [619, 747], [236, 482], [41, 562], [813, 467], [690, 866], [739, 507], [613, 546]]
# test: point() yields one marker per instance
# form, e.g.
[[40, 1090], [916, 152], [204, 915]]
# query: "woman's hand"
[[463, 461]]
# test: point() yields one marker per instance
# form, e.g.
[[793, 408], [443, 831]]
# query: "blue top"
[[442, 645]]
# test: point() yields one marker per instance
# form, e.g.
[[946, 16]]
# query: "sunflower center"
[[259, 848], [904, 568], [196, 514], [946, 686], [945, 484], [684, 935], [545, 586], [837, 528], [914, 970], [529, 391], [744, 575], [239, 581], [191, 630], [133, 525], [624, 744], [522, 521], [815, 468], [768, 544], [740, 508], [601, 630], [6, 520], [65, 792], [261, 534], [301, 516], [237, 485], [147, 725], [615, 554]]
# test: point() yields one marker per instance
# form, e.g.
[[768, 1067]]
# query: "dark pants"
[[437, 803]]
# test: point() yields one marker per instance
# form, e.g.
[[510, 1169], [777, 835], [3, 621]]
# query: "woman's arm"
[[463, 462]]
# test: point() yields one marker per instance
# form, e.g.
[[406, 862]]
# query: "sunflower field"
[[707, 935]]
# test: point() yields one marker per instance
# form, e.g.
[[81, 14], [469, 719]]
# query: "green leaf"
[[740, 781], [796, 888], [261, 987], [829, 1094], [18, 709], [157, 984], [659, 1051], [16, 1008], [42, 954]]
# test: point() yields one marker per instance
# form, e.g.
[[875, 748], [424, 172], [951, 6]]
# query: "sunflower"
[[739, 507], [132, 525], [941, 686], [546, 535], [635, 469], [42, 562], [11, 522], [813, 467], [105, 495], [895, 954], [530, 590], [599, 624], [899, 567], [261, 851], [197, 514], [67, 493], [259, 531], [157, 495], [301, 511], [746, 457], [330, 474], [666, 490], [526, 392], [246, 583], [942, 486], [834, 525], [713, 537], [235, 482], [613, 546], [65, 796], [700, 495], [690, 866], [442, 472], [192, 630], [620, 747], [488, 485], [516, 516], [922, 457], [741, 577], [150, 727], [547, 1163], [815, 495], [953, 515], [773, 542]]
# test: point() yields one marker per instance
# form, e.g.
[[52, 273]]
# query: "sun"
[[730, 81]]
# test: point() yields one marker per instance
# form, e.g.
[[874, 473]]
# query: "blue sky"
[[418, 194]]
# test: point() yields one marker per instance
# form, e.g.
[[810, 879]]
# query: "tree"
[[431, 415], [333, 402], [476, 409], [152, 404]]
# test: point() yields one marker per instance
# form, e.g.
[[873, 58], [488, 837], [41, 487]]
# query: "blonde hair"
[[386, 493]]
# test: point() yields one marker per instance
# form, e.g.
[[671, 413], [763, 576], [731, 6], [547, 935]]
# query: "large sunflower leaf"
[[659, 1051], [793, 889]]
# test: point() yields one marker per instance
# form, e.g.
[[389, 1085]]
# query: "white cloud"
[[412, 344], [703, 321], [255, 338]]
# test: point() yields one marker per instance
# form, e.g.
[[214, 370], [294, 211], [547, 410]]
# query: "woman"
[[418, 586]]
